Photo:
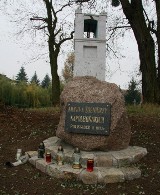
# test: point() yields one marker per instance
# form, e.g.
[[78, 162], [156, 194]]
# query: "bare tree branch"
[[58, 31], [150, 24], [39, 19], [117, 27], [66, 39], [114, 53], [66, 5]]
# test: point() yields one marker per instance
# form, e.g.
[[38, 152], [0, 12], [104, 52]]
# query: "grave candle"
[[90, 165], [60, 156], [48, 157], [41, 150], [76, 159]]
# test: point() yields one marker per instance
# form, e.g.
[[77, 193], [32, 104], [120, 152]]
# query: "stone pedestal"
[[109, 167]]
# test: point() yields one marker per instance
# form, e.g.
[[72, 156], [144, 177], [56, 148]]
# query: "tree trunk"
[[158, 37], [53, 56], [55, 82], [146, 47]]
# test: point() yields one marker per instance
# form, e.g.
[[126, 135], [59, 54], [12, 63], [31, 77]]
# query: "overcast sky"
[[13, 55]]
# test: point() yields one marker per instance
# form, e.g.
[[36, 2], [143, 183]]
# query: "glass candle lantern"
[[76, 159], [90, 165], [41, 150], [19, 154], [48, 157], [60, 156]]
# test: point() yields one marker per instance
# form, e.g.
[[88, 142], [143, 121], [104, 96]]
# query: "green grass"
[[145, 110]]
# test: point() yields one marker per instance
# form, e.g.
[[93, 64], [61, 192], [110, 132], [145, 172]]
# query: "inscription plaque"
[[88, 118]]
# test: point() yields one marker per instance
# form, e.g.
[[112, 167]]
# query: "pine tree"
[[35, 79], [133, 95], [46, 81], [22, 76]]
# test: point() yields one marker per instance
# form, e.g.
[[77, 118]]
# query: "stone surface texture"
[[90, 89]]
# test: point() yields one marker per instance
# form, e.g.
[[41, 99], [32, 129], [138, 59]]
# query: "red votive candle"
[[90, 165], [48, 157]]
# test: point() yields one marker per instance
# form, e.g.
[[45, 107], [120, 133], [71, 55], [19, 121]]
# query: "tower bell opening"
[[90, 28]]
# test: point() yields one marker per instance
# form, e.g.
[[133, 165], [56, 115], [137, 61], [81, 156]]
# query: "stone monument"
[[93, 113], [87, 117], [93, 116]]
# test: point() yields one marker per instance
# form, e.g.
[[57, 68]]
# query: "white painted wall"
[[90, 53]]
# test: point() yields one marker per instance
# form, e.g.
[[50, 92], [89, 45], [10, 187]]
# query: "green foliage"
[[22, 76], [24, 95], [132, 96], [6, 91], [20, 95], [46, 82], [35, 79], [44, 96]]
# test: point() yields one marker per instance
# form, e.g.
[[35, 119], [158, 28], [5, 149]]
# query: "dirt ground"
[[26, 129]]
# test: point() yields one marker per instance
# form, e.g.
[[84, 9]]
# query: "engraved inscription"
[[88, 118]]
